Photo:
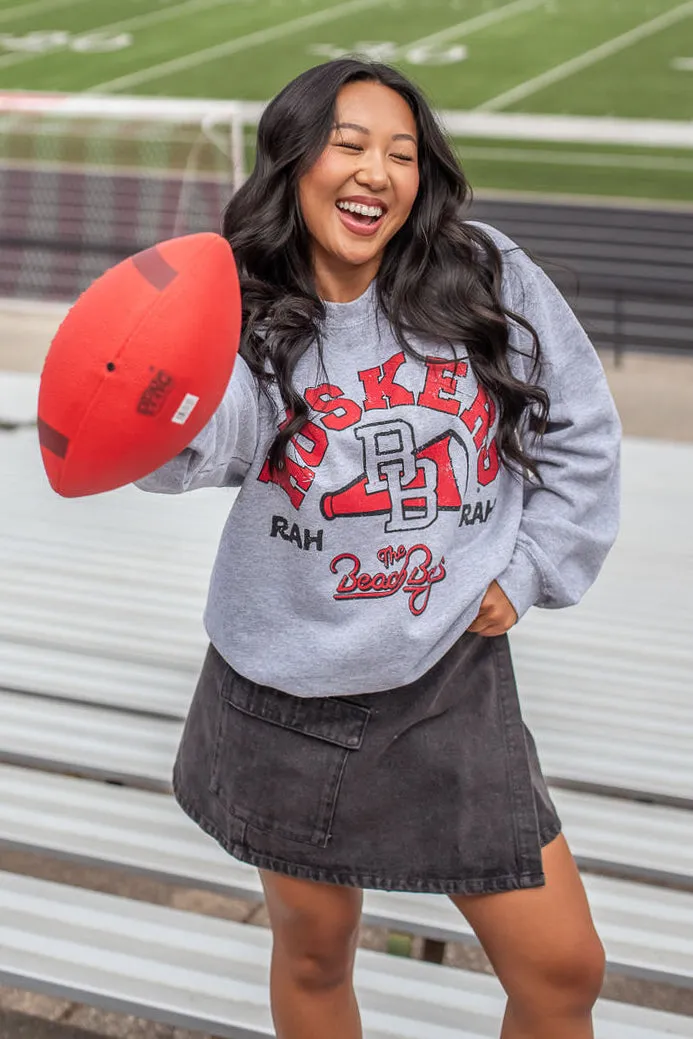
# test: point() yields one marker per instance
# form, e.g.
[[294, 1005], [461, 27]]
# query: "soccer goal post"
[[169, 135], [86, 180]]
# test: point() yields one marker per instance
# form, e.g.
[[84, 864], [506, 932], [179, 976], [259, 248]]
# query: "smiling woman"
[[413, 480], [341, 132]]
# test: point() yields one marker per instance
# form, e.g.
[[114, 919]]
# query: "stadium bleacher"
[[95, 676], [627, 271]]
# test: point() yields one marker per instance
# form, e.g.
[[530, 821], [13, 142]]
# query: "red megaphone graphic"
[[355, 500]]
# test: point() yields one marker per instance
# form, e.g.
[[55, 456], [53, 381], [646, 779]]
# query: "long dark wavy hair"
[[439, 279]]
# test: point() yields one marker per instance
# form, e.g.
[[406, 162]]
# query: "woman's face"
[[361, 190]]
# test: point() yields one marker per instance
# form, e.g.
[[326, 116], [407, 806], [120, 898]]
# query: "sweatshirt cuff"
[[521, 581]]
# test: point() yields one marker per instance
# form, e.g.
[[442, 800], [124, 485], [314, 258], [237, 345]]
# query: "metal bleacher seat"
[[607, 835], [629, 278], [647, 931], [200, 972], [116, 584], [100, 642], [607, 686]]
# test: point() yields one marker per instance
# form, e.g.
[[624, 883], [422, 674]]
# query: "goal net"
[[86, 181]]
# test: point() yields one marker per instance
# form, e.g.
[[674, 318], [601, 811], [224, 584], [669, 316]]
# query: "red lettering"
[[488, 464], [317, 440], [340, 411], [381, 389], [389, 556], [359, 584], [441, 377], [416, 583], [479, 419], [295, 479], [480, 416]]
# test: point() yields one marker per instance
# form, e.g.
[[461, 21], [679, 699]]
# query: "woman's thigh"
[[540, 938]]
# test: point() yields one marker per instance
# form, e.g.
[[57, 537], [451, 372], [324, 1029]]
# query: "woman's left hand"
[[496, 614]]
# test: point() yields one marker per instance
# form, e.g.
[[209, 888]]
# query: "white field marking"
[[240, 43], [590, 57], [598, 159], [480, 21], [11, 14], [571, 129], [453, 32], [137, 21], [682, 64], [502, 126]]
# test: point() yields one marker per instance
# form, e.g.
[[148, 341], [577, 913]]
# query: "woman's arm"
[[570, 520], [221, 453]]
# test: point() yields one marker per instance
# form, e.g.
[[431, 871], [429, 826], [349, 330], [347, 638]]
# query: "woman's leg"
[[544, 949], [315, 931]]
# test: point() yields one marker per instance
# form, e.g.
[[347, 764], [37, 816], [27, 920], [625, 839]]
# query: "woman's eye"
[[351, 146]]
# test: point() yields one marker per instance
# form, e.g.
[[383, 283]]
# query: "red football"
[[139, 365]]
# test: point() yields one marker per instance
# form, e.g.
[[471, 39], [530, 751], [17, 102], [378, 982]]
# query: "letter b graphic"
[[389, 458]]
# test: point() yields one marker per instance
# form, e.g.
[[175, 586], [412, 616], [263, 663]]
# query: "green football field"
[[631, 59]]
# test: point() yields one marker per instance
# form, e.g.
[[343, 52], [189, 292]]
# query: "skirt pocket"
[[279, 759]]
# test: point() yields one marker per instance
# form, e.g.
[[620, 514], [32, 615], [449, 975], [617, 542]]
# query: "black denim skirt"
[[434, 786]]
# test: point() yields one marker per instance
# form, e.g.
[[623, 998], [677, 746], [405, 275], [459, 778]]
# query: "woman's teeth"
[[360, 210]]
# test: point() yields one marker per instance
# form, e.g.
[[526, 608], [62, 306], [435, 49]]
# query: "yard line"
[[241, 43], [590, 57], [601, 160], [571, 129], [480, 21], [11, 14], [137, 21]]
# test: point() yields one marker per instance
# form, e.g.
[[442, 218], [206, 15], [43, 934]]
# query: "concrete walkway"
[[22, 1026]]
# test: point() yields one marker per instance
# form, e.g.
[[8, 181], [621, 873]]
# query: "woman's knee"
[[317, 956], [315, 929], [324, 968], [567, 978]]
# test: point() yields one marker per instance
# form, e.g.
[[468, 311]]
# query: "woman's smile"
[[361, 215]]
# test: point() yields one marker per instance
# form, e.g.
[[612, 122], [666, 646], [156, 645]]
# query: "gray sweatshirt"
[[356, 568]]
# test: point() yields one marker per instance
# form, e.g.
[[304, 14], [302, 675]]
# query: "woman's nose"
[[373, 172]]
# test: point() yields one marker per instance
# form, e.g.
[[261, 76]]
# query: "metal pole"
[[237, 151], [618, 328]]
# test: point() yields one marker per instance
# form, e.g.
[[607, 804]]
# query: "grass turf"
[[464, 53]]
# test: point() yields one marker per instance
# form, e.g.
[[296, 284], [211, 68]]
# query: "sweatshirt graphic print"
[[394, 464], [359, 564]]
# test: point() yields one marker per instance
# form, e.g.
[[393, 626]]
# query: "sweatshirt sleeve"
[[570, 519], [221, 453]]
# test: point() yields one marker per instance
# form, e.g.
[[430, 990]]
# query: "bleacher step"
[[200, 972], [647, 931]]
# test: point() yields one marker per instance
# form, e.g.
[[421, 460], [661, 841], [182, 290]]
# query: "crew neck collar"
[[341, 315]]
